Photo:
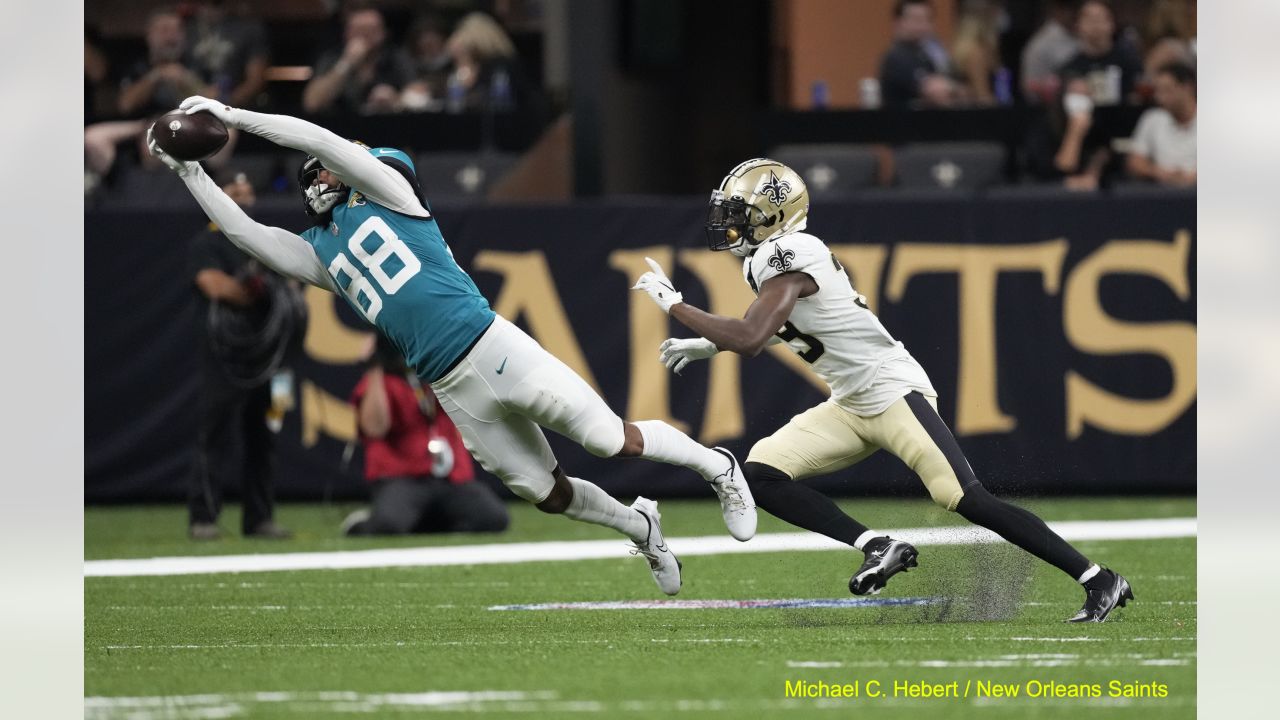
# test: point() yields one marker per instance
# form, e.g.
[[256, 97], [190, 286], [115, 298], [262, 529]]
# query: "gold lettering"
[[528, 290], [324, 413], [648, 397], [865, 265], [977, 267], [716, 271], [328, 339], [1090, 329]]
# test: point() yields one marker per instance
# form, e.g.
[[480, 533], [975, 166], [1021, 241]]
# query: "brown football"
[[189, 137]]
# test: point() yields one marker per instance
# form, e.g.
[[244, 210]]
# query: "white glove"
[[659, 287], [179, 166], [677, 353], [197, 103]]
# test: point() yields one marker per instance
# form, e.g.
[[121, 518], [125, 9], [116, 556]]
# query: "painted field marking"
[[217, 705], [1016, 660], [501, 553], [772, 603]]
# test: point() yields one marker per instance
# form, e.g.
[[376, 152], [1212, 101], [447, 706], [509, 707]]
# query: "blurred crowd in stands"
[[1079, 58], [1078, 69], [1073, 40], [365, 58]]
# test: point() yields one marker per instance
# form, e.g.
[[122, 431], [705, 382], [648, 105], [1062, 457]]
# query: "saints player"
[[376, 243], [880, 396]]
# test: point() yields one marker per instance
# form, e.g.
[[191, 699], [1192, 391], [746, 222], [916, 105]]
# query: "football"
[[189, 137]]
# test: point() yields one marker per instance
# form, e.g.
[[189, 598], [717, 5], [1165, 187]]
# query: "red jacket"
[[403, 450]]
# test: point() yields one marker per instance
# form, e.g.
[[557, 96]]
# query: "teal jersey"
[[397, 272]]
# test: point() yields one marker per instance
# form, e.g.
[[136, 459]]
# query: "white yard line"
[[500, 553], [205, 707], [307, 704]]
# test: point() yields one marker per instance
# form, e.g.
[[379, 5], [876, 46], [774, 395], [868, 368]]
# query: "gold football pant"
[[827, 438]]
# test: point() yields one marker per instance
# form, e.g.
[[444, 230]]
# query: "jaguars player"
[[376, 243], [881, 397]]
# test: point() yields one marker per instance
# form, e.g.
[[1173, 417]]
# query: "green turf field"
[[408, 641]]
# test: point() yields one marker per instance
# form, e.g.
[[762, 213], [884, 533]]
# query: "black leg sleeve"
[[1022, 528], [800, 504]]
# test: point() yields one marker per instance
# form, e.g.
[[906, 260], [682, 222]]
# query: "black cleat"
[[881, 564], [1109, 592]]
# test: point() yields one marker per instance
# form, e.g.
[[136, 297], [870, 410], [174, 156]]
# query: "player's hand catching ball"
[[197, 103], [176, 165], [658, 285], [677, 352]]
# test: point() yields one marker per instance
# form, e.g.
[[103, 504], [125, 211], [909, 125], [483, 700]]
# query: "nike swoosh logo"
[[503, 366]]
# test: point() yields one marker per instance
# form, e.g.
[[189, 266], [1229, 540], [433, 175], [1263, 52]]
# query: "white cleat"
[[662, 562], [736, 503]]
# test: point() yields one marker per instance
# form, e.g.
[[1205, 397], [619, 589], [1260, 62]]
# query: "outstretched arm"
[[352, 163], [751, 333], [747, 335], [277, 248]]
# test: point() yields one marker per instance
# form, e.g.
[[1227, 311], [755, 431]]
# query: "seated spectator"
[[1071, 144], [366, 76], [975, 54], [157, 84], [1084, 153], [101, 145], [912, 72], [486, 72], [1169, 36], [1049, 49], [1109, 69], [230, 52], [1164, 143], [430, 61], [421, 474]]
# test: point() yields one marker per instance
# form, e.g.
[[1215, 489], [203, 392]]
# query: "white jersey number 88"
[[357, 284]]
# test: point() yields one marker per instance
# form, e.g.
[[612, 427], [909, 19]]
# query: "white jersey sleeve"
[[833, 329], [352, 163], [277, 248]]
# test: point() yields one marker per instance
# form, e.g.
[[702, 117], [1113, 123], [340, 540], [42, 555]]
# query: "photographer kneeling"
[[422, 476]]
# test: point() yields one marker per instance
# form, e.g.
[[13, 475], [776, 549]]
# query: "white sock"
[[666, 444], [1088, 574], [864, 537], [592, 505]]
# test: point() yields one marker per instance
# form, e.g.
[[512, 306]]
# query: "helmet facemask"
[[732, 224], [318, 199]]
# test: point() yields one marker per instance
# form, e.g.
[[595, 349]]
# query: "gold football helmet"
[[757, 201]]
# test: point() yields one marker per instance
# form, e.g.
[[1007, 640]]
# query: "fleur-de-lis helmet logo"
[[776, 189], [781, 259]]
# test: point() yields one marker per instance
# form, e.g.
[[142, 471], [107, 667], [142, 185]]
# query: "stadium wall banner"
[[1059, 332]]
